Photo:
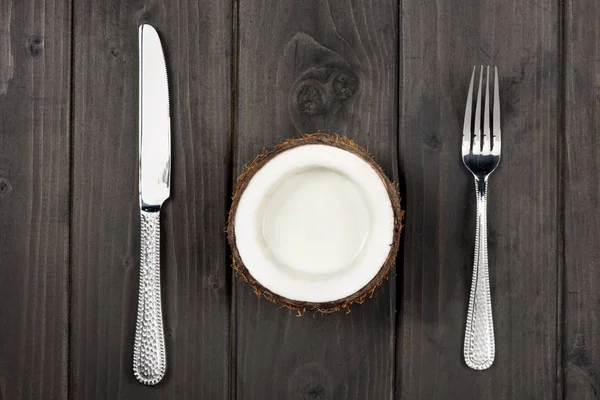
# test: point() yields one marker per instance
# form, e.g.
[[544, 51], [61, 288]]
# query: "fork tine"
[[466, 143], [477, 129], [485, 138], [496, 122]]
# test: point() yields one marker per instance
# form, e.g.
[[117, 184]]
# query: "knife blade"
[[149, 355]]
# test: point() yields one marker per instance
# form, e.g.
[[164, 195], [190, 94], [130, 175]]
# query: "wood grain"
[[246, 75], [197, 39], [303, 67], [440, 43], [35, 48], [581, 345]]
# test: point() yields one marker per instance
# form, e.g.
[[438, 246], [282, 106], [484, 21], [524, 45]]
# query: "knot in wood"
[[310, 99], [5, 187], [35, 46], [344, 86], [215, 282]]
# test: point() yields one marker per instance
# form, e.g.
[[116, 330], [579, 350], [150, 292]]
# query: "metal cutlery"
[[149, 355], [481, 155]]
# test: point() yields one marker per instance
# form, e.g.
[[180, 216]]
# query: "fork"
[[481, 155]]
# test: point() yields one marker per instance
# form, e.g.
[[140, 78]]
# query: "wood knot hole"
[[35, 46], [316, 392], [344, 86], [310, 99], [309, 382], [215, 282], [5, 187]]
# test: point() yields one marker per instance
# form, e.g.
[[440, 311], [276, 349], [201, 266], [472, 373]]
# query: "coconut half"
[[314, 224]]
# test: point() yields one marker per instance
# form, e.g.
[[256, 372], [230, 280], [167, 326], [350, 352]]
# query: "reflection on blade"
[[154, 124]]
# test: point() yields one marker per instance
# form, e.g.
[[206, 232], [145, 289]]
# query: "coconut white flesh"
[[315, 224]]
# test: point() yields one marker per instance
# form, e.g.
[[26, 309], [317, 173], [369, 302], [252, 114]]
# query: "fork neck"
[[481, 186]]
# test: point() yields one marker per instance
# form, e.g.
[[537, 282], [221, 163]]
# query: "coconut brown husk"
[[302, 306]]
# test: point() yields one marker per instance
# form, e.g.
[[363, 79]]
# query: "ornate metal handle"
[[479, 336], [149, 357]]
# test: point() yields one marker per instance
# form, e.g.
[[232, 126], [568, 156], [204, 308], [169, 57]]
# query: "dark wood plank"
[[335, 356], [35, 59], [581, 343], [440, 43], [197, 40]]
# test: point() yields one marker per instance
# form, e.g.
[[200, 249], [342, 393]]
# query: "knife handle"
[[149, 357]]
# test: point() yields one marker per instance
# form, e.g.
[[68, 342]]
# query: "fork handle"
[[149, 358], [479, 348]]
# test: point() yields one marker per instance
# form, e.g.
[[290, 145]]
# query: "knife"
[[149, 355]]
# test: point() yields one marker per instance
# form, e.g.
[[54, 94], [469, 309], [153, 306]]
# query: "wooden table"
[[69, 216]]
